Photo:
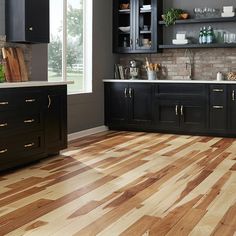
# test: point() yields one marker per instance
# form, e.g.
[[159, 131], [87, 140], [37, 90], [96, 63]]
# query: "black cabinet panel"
[[27, 21], [116, 102], [232, 108], [167, 116], [56, 119], [141, 103]]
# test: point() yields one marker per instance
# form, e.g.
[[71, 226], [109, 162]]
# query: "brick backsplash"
[[176, 62], [26, 48]]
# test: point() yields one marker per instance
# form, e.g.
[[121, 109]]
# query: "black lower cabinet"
[[33, 124], [189, 115], [204, 109], [128, 105]]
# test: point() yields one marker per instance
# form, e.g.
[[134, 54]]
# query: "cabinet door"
[[140, 103], [232, 110], [116, 100], [192, 114], [56, 119], [123, 16], [167, 114], [147, 32], [37, 21]]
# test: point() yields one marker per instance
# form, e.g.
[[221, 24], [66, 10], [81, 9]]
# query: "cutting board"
[[15, 69]]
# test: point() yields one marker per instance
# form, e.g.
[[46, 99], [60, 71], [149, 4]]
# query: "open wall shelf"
[[212, 45]]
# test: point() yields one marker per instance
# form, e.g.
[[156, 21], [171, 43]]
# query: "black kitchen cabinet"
[[128, 104], [56, 119], [33, 124], [141, 34], [189, 115], [218, 107], [27, 21]]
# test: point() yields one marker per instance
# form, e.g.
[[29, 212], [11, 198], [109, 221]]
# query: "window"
[[70, 48]]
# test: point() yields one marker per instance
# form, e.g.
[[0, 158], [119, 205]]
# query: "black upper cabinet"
[[144, 34], [27, 21]]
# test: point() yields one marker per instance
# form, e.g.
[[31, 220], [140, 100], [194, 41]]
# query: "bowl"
[[125, 29], [124, 6]]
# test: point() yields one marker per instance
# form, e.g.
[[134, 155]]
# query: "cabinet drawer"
[[13, 148], [218, 96], [182, 89]]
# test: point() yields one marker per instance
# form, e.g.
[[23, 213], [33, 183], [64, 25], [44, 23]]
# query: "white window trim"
[[87, 46]]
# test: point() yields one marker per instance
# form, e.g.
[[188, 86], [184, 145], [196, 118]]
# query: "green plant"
[[171, 15]]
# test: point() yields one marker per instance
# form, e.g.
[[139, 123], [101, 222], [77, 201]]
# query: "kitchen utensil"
[[124, 29]]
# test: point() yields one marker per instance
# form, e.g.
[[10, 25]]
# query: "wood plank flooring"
[[125, 183]]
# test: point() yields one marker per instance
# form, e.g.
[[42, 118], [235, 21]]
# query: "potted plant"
[[173, 14]]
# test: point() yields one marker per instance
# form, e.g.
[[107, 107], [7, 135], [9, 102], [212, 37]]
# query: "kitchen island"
[[33, 121]]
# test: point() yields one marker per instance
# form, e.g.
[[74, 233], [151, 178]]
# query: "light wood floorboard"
[[125, 183]]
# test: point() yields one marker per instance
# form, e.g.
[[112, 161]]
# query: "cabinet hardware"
[[49, 101], [4, 103], [130, 93], [176, 110], [29, 121], [131, 42], [125, 92], [218, 90], [233, 95], [30, 100], [29, 145], [3, 125], [31, 28], [218, 107], [3, 151], [182, 110]]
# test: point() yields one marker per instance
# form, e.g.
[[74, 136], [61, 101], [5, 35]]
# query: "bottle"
[[210, 35], [200, 36], [2, 77], [125, 42], [204, 35]]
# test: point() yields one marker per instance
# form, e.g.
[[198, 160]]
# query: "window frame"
[[87, 46]]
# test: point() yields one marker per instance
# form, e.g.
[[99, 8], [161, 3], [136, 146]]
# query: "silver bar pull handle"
[[3, 125], [125, 92], [4, 103], [30, 100], [49, 101], [176, 110], [29, 145], [3, 151], [218, 90], [218, 107], [182, 110], [29, 121], [130, 93], [233, 95]]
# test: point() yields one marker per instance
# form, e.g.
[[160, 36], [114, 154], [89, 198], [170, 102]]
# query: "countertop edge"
[[32, 84], [172, 81]]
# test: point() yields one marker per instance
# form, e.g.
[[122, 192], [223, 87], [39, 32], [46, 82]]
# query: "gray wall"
[[87, 110]]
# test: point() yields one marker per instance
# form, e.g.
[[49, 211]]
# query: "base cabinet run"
[[33, 124], [204, 109]]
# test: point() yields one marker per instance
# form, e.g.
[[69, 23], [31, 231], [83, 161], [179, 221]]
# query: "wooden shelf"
[[203, 20], [212, 45]]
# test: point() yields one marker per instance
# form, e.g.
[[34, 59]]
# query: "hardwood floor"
[[124, 183]]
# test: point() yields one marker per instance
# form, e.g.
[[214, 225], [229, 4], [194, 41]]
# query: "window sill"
[[78, 93]]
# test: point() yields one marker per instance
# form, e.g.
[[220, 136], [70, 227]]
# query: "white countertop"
[[32, 84], [172, 81]]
